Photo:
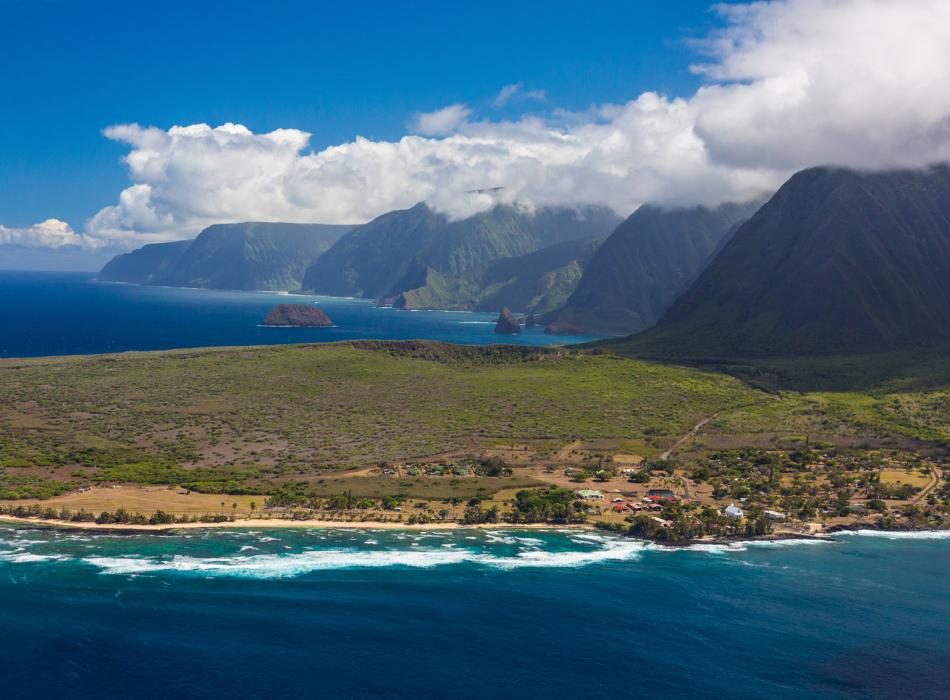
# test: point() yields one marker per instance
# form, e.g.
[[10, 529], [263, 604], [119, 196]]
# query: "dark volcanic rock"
[[297, 315], [507, 324]]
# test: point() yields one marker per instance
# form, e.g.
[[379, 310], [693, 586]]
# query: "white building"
[[733, 512]]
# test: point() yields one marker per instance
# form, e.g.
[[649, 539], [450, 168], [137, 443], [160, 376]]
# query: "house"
[[775, 516], [661, 493], [733, 512], [619, 507], [590, 494]]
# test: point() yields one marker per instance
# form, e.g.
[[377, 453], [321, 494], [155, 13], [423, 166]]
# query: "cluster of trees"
[[492, 466], [892, 491], [683, 522], [17, 486], [120, 516], [913, 516], [553, 505], [476, 515]]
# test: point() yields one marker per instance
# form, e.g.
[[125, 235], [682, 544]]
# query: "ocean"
[[433, 614], [49, 313], [470, 614]]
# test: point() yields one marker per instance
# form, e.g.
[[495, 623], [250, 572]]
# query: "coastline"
[[281, 524], [277, 524], [825, 535]]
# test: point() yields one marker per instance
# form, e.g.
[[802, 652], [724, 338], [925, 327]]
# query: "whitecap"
[[739, 545], [497, 537], [615, 550], [29, 557], [587, 538]]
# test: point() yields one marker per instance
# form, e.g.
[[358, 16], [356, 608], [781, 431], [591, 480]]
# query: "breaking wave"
[[898, 535], [288, 565], [29, 557]]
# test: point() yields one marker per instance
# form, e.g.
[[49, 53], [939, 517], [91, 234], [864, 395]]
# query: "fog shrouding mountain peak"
[[409, 249]]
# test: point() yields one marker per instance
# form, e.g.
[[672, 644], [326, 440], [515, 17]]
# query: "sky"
[[126, 123]]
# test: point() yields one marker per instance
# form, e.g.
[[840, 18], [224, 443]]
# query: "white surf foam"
[[29, 557], [619, 550], [738, 545], [276, 566], [288, 565], [898, 535]]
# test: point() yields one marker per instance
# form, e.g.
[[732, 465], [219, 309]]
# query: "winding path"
[[679, 443]]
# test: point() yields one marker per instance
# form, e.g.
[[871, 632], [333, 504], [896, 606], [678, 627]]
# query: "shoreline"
[[277, 524], [826, 535]]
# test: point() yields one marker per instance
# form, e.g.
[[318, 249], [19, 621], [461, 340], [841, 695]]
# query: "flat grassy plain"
[[247, 420]]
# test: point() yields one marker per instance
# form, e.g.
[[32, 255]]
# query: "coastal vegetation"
[[423, 432]]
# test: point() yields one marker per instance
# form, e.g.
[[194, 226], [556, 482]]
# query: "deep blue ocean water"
[[49, 313], [462, 614]]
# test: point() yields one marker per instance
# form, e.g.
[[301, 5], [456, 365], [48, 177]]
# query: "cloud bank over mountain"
[[788, 84]]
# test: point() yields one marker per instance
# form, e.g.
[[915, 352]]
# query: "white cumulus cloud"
[[853, 82], [787, 84], [51, 233]]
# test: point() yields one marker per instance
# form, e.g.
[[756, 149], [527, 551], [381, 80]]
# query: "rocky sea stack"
[[302, 315], [507, 324]]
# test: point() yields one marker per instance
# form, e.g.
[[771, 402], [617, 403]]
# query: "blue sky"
[[334, 69], [126, 123]]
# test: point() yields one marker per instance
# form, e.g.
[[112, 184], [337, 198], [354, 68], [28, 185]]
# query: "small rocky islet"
[[297, 315], [507, 324]]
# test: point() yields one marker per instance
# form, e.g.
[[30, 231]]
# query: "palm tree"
[[253, 506]]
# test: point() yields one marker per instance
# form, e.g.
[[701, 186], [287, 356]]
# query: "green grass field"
[[243, 419]]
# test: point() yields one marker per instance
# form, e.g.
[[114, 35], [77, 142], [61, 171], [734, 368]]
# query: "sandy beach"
[[278, 523]]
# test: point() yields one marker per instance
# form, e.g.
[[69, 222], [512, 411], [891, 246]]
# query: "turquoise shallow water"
[[559, 614], [44, 313]]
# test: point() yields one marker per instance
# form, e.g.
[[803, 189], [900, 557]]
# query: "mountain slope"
[[144, 265], [400, 250], [251, 255], [836, 262], [644, 265], [538, 282]]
